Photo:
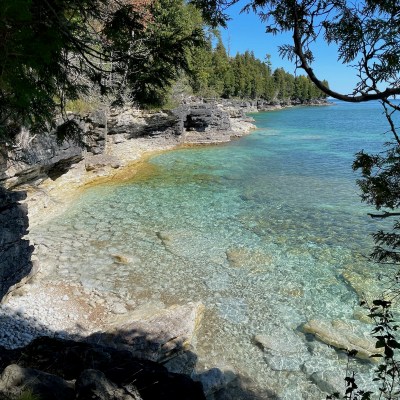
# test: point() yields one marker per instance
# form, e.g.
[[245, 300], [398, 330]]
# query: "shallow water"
[[263, 231]]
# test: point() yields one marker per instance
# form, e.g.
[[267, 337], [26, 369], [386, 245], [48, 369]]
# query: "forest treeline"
[[214, 73]]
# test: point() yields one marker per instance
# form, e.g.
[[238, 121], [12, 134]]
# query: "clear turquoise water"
[[264, 231]]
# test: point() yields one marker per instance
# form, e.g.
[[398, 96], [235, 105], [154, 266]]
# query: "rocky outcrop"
[[57, 369], [36, 157], [93, 384], [15, 380], [202, 123], [15, 251], [240, 107]]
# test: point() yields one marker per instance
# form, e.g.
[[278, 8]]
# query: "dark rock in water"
[[215, 379], [16, 380], [69, 360], [183, 363], [15, 252]]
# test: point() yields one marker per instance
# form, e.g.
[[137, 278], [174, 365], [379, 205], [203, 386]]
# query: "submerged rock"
[[243, 257], [344, 335], [284, 350], [364, 282]]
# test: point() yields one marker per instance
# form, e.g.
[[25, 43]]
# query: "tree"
[[221, 77], [55, 50], [200, 63]]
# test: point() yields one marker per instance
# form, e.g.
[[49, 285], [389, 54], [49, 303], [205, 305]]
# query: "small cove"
[[267, 231]]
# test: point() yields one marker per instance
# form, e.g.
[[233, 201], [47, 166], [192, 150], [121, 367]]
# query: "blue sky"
[[247, 32]]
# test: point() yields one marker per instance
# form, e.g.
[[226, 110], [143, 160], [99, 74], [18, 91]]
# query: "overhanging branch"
[[298, 49]]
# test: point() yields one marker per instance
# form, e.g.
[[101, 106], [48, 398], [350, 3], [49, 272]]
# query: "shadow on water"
[[56, 366]]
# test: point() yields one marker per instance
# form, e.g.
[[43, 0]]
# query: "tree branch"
[[298, 49], [384, 215]]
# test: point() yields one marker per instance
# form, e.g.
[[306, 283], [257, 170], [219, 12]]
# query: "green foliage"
[[81, 106], [54, 51], [215, 74], [28, 395], [176, 29]]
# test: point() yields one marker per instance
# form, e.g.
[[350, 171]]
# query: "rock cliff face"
[[35, 158], [15, 252]]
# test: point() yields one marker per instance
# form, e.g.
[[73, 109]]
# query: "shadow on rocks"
[[15, 251], [55, 368]]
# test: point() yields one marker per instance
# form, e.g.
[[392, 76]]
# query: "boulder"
[[115, 368], [16, 380]]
